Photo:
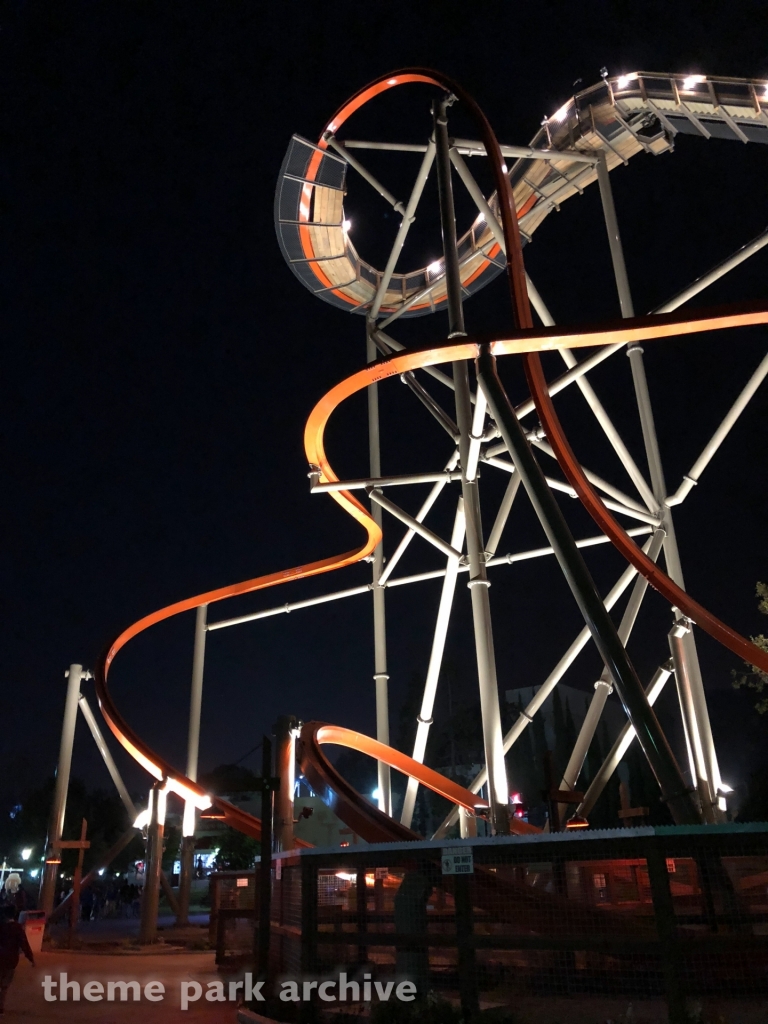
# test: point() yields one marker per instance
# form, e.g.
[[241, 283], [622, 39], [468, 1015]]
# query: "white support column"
[[695, 713], [467, 824], [498, 790], [424, 719], [420, 516], [691, 478], [193, 749], [75, 676], [153, 866], [109, 761], [285, 731], [597, 407], [621, 746], [408, 218], [544, 691], [604, 685], [380, 674], [502, 516]]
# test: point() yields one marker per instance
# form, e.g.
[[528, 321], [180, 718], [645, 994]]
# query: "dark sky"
[[160, 360]]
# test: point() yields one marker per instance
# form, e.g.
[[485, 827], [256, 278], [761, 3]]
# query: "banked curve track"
[[522, 340]]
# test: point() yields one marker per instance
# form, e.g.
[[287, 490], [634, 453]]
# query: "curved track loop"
[[366, 820], [522, 340]]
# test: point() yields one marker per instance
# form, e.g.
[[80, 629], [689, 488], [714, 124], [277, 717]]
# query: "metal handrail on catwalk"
[[597, 130]]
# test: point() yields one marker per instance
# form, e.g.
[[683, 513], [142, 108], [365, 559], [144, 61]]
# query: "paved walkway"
[[26, 1001], [121, 929]]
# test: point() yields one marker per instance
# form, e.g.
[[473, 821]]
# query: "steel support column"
[[498, 790], [546, 688], [623, 742], [603, 686], [193, 749], [695, 712], [604, 633], [380, 675], [59, 807], [109, 761], [424, 719], [285, 730], [153, 866]]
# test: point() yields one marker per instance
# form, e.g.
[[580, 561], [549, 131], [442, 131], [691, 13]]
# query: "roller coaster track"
[[522, 340]]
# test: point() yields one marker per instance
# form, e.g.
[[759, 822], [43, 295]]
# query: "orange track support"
[[522, 340]]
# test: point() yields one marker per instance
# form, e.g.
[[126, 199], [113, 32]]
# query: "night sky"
[[160, 360]]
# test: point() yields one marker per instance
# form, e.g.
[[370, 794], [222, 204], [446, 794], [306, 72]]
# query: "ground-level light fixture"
[[577, 821], [142, 819]]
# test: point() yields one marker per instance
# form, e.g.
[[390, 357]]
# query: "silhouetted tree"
[[752, 677]]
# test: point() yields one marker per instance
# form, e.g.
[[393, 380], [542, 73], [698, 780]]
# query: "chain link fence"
[[669, 919]]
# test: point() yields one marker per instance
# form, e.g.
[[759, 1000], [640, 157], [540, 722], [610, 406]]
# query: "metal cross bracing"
[[599, 129], [595, 132]]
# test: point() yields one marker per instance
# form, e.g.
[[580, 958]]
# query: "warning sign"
[[457, 860]]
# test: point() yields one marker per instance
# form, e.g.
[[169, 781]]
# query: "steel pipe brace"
[[681, 626]]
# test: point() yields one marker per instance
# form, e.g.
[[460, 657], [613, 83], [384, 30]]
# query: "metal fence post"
[[666, 926], [466, 950], [361, 901], [308, 915], [265, 876]]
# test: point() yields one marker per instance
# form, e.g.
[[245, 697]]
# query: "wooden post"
[[81, 847], [628, 811]]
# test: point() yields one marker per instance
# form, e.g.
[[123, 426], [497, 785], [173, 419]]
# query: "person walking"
[[13, 941]]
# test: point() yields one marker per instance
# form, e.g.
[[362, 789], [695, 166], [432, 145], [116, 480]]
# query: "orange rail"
[[360, 814], [522, 340]]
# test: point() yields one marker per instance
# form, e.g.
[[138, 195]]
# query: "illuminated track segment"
[[621, 116], [523, 340], [359, 814]]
